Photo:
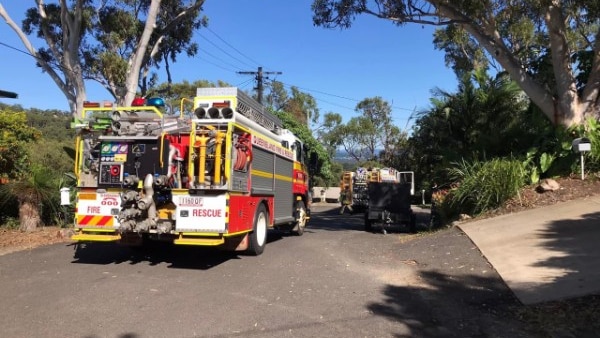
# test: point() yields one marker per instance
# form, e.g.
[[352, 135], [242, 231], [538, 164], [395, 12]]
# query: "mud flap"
[[238, 243]]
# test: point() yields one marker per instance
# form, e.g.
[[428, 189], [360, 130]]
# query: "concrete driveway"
[[544, 254]]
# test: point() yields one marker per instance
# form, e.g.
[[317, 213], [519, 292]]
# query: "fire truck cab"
[[221, 175]]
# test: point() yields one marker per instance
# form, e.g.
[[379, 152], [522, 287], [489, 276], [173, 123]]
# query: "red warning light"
[[115, 170], [138, 102]]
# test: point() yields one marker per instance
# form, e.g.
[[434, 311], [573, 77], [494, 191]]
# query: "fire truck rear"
[[384, 194], [220, 176]]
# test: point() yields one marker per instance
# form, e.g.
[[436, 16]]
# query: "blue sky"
[[338, 67]]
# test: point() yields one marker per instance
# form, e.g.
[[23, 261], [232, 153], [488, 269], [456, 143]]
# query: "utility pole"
[[259, 81]]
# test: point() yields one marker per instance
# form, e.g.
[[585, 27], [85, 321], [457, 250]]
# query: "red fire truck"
[[221, 175]]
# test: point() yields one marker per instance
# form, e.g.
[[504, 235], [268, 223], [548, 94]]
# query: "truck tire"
[[300, 208], [368, 223], [412, 226], [257, 239]]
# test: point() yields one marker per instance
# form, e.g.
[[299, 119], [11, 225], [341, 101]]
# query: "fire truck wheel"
[[413, 223], [301, 223], [257, 239], [368, 223]]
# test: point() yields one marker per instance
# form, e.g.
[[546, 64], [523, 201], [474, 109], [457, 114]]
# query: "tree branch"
[[592, 87], [137, 57], [492, 42], [561, 57], [45, 66], [51, 44]]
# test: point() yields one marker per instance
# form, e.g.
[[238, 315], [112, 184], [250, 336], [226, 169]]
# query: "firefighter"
[[346, 200]]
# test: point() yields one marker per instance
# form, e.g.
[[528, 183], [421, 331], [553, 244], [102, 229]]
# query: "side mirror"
[[313, 164]]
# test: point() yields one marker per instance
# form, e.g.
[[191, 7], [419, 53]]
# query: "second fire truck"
[[221, 176], [384, 194]]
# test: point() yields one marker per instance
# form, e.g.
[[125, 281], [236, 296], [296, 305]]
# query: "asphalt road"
[[335, 281]]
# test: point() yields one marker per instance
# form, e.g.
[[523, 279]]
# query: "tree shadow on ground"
[[155, 253], [575, 250], [453, 306]]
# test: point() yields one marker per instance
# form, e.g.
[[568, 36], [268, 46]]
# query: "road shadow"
[[331, 220], [452, 306], [155, 253]]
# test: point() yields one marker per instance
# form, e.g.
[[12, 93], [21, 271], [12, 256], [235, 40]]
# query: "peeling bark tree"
[[515, 34], [81, 46]]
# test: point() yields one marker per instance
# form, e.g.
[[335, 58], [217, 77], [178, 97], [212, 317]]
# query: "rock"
[[464, 217], [64, 233], [548, 185]]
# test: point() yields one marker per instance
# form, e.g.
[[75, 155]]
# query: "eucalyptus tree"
[[113, 42], [370, 136], [174, 93], [301, 105], [518, 35]]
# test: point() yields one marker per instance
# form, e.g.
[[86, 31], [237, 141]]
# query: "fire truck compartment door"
[[201, 213]]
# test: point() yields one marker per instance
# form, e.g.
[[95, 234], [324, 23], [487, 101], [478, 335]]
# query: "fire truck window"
[[285, 144]]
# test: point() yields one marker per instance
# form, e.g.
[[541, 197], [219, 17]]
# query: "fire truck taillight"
[[88, 104]]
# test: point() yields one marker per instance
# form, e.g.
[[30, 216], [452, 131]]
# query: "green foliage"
[[486, 117], [9, 222], [14, 136], [550, 153], [483, 186], [40, 145], [301, 105], [51, 124], [325, 174], [371, 136], [39, 188], [591, 131]]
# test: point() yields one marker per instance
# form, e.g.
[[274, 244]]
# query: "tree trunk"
[[29, 216]]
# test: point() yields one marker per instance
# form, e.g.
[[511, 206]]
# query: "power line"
[[222, 50], [244, 84], [216, 58], [52, 64], [230, 46], [338, 96], [216, 65]]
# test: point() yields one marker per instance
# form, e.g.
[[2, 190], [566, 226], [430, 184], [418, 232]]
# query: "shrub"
[[442, 212], [482, 186]]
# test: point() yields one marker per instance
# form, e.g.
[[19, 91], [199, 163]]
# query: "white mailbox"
[[582, 145]]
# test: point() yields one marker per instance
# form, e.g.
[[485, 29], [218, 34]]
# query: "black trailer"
[[389, 205]]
